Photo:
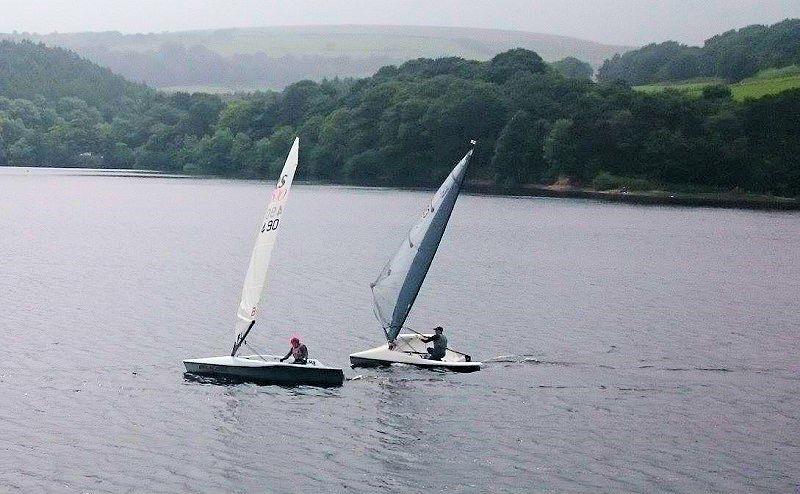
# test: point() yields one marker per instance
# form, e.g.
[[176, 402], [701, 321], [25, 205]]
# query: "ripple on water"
[[637, 349]]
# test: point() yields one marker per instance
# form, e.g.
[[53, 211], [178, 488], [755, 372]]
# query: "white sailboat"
[[259, 368], [398, 284]]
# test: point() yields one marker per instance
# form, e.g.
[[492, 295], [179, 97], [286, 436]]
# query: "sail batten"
[[255, 280], [401, 278]]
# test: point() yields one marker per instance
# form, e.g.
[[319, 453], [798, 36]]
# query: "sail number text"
[[271, 219], [270, 225]]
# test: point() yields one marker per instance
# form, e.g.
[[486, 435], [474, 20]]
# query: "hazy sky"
[[612, 21]]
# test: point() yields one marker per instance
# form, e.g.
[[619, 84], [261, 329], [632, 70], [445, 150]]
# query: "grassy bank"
[[771, 81]]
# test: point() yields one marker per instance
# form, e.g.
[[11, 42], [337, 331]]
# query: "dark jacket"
[[439, 344]]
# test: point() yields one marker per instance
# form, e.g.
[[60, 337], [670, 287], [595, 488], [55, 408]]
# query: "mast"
[[255, 280], [397, 286], [241, 339]]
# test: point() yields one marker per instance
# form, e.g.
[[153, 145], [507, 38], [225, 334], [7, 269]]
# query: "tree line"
[[732, 56], [405, 125]]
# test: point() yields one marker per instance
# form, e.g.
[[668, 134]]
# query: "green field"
[[770, 81]]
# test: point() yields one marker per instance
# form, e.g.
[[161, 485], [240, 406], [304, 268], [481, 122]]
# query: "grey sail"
[[400, 279]]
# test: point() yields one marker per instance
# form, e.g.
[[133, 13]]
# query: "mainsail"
[[397, 286], [256, 278]]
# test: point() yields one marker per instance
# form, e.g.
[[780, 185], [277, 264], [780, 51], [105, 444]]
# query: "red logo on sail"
[[279, 194]]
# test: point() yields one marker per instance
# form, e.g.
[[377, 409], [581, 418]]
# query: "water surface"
[[627, 348]]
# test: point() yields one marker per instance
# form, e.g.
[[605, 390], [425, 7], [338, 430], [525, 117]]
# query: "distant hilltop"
[[273, 57]]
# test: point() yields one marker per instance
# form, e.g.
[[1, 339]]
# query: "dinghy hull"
[[254, 369], [410, 350]]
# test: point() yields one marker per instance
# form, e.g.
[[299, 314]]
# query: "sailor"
[[439, 340], [298, 351]]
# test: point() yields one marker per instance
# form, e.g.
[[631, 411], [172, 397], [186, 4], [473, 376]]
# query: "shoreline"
[[660, 198], [652, 198]]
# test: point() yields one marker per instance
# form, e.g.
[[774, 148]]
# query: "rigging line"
[[254, 351], [411, 348], [386, 333]]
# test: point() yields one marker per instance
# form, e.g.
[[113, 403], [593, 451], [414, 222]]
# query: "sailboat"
[[260, 368], [400, 280]]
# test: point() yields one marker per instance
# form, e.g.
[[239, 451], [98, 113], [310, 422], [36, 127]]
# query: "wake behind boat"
[[398, 284], [258, 368]]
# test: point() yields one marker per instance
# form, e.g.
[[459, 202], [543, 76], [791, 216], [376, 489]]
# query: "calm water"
[[628, 348]]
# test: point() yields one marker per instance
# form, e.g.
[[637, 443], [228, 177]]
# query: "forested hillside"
[[57, 109], [732, 56], [30, 71], [273, 57], [407, 125]]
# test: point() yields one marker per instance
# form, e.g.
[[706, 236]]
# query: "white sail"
[[256, 278], [399, 282]]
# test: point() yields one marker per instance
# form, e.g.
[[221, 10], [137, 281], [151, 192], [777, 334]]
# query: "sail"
[[399, 282], [256, 278]]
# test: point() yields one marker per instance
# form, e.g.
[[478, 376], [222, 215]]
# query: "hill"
[[273, 57], [30, 70], [733, 56], [58, 109]]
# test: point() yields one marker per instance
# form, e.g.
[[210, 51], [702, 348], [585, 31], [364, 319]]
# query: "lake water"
[[627, 348]]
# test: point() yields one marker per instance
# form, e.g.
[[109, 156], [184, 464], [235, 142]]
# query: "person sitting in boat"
[[298, 351], [439, 340]]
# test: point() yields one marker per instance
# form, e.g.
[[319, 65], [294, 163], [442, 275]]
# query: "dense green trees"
[[738, 54], [668, 61], [521, 141], [407, 125], [733, 56], [32, 72], [573, 68]]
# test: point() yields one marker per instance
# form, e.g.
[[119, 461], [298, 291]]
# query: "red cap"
[[294, 340]]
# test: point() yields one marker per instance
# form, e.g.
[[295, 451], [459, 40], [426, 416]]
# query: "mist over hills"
[[273, 57]]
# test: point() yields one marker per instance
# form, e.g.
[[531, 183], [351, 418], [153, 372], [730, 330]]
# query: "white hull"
[[411, 350], [253, 368]]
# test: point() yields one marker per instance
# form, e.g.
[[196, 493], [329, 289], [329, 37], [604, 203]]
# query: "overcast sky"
[[612, 21]]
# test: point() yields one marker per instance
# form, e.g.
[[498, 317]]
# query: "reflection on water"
[[626, 348]]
